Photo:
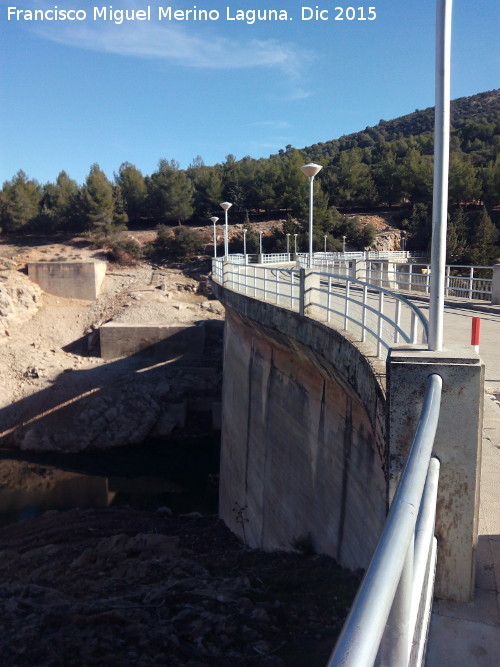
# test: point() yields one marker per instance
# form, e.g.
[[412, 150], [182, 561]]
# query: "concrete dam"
[[303, 439], [316, 431]]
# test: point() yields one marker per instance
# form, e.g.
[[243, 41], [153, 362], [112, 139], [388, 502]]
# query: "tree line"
[[379, 167]]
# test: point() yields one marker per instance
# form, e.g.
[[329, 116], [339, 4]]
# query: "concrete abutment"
[[457, 446]]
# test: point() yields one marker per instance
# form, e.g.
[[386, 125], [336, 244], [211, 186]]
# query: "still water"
[[179, 474]]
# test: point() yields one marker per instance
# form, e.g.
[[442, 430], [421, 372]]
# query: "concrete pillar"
[[390, 281], [358, 269], [308, 286], [457, 446], [495, 286], [227, 268]]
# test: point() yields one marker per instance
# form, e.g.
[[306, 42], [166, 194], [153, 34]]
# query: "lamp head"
[[214, 219], [225, 205], [311, 169]]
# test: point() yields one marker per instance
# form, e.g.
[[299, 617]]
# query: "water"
[[180, 474]]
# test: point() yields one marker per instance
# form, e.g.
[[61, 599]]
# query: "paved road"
[[468, 635]]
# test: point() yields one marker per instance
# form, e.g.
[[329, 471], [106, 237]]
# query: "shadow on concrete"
[[62, 402]]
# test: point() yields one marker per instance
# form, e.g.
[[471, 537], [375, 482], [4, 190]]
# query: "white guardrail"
[[391, 612], [370, 313], [400, 271]]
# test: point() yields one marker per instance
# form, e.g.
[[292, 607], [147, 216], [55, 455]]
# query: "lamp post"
[[225, 205], [295, 239], [343, 244], [310, 170], [245, 243], [325, 241], [288, 244], [441, 169], [260, 242], [215, 220]]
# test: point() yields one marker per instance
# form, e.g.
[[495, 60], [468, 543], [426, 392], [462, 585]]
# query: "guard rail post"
[[227, 269], [495, 286], [457, 445]]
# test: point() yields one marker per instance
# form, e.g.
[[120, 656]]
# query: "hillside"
[[476, 117]]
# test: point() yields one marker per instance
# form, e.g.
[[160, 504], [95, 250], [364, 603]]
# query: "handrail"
[[382, 290], [329, 297], [361, 636]]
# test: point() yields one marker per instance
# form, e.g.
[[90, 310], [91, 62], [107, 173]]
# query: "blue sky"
[[80, 92]]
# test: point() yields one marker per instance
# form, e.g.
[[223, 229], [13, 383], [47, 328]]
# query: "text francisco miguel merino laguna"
[[118, 16]]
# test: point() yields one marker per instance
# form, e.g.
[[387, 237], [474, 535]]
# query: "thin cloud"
[[200, 45]]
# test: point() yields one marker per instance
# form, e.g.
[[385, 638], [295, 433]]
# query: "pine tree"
[[21, 200]]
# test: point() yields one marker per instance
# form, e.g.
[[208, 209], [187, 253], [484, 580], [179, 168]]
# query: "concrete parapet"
[[160, 340], [70, 280], [457, 446]]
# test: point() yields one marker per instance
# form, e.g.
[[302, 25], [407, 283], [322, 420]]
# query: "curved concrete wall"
[[303, 434]]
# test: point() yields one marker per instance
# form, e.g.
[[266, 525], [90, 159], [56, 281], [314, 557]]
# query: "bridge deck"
[[468, 635]]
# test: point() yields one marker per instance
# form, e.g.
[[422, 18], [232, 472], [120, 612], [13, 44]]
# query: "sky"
[[178, 86]]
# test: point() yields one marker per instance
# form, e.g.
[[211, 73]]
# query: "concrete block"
[[457, 445], [160, 341], [70, 280]]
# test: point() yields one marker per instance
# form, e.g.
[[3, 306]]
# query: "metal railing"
[[460, 281], [371, 314], [397, 270], [391, 613]]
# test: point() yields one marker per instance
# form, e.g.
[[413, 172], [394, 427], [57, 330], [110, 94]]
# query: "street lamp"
[[343, 244], [245, 243], [310, 170], [226, 206], [288, 244], [215, 220], [325, 241], [295, 239], [260, 242]]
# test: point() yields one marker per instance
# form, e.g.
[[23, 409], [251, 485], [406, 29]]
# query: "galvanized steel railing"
[[370, 313], [391, 613], [389, 270], [460, 281]]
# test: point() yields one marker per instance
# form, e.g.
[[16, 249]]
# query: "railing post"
[[302, 291], [457, 445], [346, 305], [495, 286], [380, 323]]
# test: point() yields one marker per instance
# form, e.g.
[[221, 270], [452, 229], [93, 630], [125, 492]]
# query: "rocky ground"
[[120, 587], [57, 393]]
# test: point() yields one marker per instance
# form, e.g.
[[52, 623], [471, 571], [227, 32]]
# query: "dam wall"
[[303, 454]]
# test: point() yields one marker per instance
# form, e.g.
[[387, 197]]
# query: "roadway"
[[468, 635]]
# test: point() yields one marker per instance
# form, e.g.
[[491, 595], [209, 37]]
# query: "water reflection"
[[180, 476]]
